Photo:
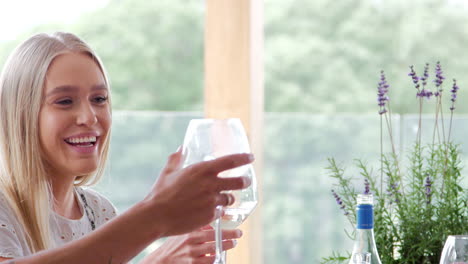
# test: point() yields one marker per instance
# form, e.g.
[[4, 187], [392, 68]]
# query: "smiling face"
[[75, 116]]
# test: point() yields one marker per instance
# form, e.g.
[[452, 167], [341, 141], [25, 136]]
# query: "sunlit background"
[[20, 16], [322, 64]]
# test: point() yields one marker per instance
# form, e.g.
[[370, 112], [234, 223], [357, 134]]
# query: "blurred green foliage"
[[325, 56], [152, 51], [322, 57]]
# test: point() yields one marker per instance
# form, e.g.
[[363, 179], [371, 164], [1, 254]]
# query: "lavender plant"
[[418, 207]]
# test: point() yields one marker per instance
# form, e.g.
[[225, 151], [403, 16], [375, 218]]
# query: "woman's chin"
[[85, 169]]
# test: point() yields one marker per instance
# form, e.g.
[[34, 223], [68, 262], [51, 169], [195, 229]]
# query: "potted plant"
[[419, 197]]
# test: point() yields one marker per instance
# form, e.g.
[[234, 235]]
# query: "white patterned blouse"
[[96, 210]]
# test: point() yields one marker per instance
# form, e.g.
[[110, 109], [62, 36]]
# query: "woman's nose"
[[86, 115]]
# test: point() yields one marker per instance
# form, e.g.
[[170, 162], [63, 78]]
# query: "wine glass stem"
[[223, 257], [220, 257]]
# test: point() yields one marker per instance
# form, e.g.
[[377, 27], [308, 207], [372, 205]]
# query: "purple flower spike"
[[414, 77], [424, 93], [439, 77], [425, 75], [340, 202], [367, 187], [454, 94], [392, 191], [428, 186], [382, 90]]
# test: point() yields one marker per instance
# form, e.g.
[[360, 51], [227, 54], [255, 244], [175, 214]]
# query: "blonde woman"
[[55, 119]]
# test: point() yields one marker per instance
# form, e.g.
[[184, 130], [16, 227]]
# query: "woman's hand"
[[185, 199], [197, 247]]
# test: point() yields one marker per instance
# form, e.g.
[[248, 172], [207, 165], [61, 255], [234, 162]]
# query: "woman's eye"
[[64, 102], [100, 99]]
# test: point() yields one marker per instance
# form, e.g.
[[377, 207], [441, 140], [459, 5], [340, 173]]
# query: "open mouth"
[[82, 141]]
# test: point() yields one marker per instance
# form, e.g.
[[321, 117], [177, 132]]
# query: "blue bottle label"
[[365, 216]]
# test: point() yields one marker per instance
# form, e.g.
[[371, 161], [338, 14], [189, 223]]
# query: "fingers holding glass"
[[234, 183], [225, 199]]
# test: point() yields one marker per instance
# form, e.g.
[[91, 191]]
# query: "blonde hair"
[[23, 177]]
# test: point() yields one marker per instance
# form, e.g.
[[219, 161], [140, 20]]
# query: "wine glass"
[[207, 139], [455, 250]]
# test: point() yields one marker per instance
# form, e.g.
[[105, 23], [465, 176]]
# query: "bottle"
[[364, 249]]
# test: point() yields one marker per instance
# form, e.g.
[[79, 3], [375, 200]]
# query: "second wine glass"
[[207, 139], [455, 250]]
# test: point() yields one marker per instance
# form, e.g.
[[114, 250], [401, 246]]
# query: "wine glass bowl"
[[245, 201], [208, 139]]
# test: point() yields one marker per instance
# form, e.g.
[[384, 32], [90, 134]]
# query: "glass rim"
[[214, 119], [458, 236]]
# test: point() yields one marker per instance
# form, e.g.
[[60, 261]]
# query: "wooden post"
[[234, 88]]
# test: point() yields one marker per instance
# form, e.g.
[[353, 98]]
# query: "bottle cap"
[[365, 211], [365, 199]]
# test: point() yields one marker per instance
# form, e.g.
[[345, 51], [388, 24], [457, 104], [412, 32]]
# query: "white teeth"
[[91, 139]]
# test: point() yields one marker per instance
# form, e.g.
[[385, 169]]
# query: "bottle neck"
[[365, 234], [365, 223], [364, 249]]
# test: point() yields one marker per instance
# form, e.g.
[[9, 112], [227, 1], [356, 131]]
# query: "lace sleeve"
[[10, 246]]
